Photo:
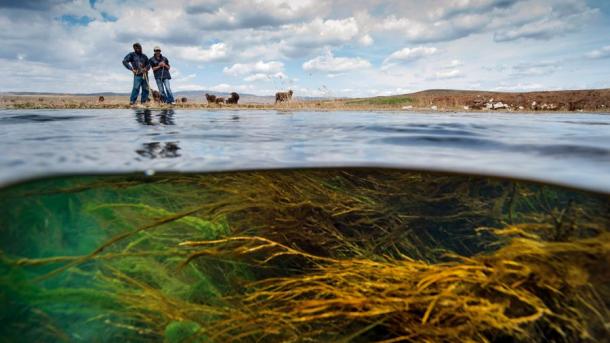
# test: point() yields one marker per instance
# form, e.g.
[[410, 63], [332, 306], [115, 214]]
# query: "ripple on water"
[[571, 149], [37, 118]]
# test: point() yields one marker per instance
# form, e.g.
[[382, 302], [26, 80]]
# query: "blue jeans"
[[139, 81], [165, 90]]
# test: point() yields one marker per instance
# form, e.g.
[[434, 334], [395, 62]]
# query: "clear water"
[[570, 149], [179, 257], [107, 258]]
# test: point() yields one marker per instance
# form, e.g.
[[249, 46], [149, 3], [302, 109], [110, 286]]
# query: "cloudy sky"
[[316, 47]]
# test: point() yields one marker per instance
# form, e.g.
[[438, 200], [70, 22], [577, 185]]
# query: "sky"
[[316, 48]]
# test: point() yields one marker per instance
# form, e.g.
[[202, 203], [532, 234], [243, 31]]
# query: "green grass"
[[386, 100]]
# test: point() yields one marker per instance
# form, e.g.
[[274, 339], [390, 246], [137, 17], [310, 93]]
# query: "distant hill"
[[565, 100]]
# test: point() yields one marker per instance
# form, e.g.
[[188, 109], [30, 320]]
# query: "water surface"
[[566, 148]]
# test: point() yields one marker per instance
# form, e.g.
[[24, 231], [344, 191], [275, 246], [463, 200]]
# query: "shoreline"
[[577, 101], [287, 107]]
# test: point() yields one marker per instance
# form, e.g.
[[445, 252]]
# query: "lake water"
[[141, 251], [566, 148]]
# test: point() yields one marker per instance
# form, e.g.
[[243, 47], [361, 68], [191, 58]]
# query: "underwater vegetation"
[[354, 254]]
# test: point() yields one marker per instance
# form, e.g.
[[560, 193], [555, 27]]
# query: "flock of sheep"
[[234, 98], [213, 99]]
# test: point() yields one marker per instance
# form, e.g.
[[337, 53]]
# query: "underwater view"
[[339, 254]]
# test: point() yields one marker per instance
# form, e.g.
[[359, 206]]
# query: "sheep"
[[220, 100], [283, 96], [233, 99], [210, 98]]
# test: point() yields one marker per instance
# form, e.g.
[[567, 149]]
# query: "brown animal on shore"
[[283, 96], [220, 100], [183, 100], [210, 98], [100, 99], [156, 96], [233, 99]]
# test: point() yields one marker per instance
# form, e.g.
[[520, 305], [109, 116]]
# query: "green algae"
[[92, 254]]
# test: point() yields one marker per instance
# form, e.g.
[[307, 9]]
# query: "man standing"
[[137, 62], [160, 66]]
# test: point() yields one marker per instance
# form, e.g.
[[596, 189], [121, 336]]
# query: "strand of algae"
[[354, 236], [114, 240], [529, 289]]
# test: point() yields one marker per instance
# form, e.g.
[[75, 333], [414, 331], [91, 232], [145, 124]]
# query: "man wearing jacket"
[[160, 66], [137, 62]]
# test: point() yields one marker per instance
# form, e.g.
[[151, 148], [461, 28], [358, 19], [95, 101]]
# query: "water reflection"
[[159, 150], [153, 150], [147, 117]]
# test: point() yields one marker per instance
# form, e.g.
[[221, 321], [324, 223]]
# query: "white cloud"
[[603, 52], [448, 74], [215, 52], [329, 63], [447, 20], [240, 69], [366, 40], [265, 77], [321, 32], [544, 20], [203, 36], [411, 54], [535, 68], [42, 77], [418, 31], [225, 87], [257, 71], [520, 87], [453, 64], [232, 15]]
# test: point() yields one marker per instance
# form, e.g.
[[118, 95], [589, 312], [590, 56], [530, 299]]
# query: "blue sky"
[[317, 48]]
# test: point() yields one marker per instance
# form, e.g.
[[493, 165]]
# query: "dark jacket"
[[161, 73], [135, 61]]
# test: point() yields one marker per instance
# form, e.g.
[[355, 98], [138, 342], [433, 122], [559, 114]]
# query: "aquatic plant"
[[530, 290], [351, 254]]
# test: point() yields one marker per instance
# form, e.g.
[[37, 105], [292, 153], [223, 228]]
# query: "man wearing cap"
[[160, 66], [138, 63]]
